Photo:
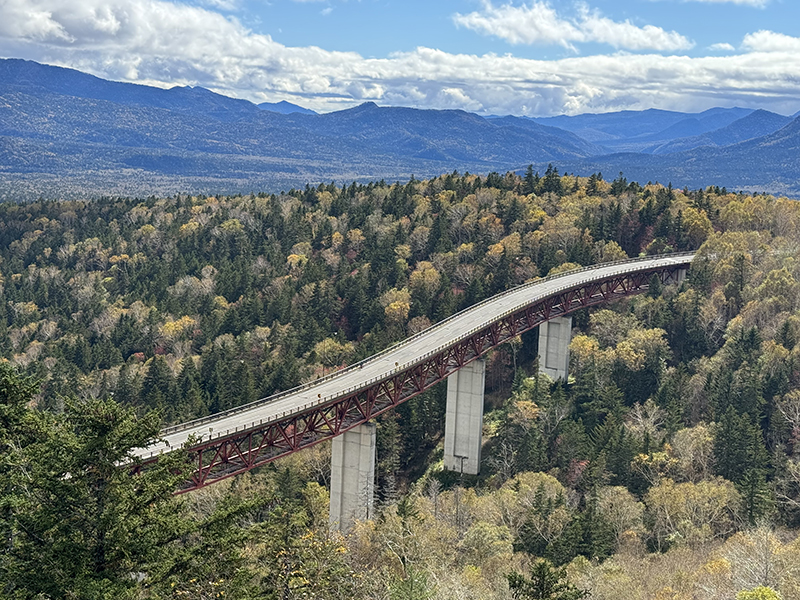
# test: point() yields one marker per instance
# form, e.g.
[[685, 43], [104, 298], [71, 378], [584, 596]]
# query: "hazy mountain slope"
[[37, 79], [636, 131], [69, 126], [544, 130], [768, 163], [65, 133], [621, 124], [70, 120], [449, 134], [710, 120], [757, 124], [347, 136]]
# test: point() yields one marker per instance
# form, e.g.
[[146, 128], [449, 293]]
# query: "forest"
[[665, 467]]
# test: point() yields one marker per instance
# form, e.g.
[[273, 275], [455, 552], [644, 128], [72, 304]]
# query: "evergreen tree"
[[158, 387], [741, 457], [81, 524], [619, 185], [529, 182], [592, 184], [545, 583], [655, 287], [192, 403], [126, 392], [551, 182]]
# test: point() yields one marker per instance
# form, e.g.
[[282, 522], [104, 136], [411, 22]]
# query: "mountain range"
[[64, 133]]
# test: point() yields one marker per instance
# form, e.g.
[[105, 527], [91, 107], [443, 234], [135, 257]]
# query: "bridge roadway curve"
[[403, 355]]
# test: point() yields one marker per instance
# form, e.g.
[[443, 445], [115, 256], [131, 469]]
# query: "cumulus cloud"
[[158, 42], [539, 23], [722, 47], [769, 41]]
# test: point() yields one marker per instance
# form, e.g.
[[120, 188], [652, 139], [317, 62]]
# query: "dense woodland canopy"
[[665, 466]]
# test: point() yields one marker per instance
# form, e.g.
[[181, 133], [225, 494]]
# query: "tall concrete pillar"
[[463, 425], [554, 338], [352, 477]]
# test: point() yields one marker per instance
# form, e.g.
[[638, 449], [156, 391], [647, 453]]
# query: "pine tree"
[[126, 392], [551, 182], [81, 523], [193, 402], [655, 287], [592, 185], [738, 446], [741, 457], [529, 182], [619, 185], [545, 583], [158, 387]]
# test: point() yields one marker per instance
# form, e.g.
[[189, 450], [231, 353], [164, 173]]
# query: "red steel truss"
[[224, 457]]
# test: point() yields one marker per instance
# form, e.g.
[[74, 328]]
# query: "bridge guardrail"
[[357, 365]]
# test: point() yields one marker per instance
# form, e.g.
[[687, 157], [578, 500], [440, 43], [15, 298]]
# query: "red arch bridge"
[[237, 440]]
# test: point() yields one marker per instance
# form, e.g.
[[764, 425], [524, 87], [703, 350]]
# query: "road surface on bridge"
[[399, 357]]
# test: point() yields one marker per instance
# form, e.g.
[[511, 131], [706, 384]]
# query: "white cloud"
[[769, 41], [161, 43], [539, 23], [722, 47], [756, 3], [227, 5], [326, 11]]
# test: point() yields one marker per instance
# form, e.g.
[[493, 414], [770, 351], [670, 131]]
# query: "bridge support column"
[[352, 477], [554, 338], [679, 276], [463, 425]]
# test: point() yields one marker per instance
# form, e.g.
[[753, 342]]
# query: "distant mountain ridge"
[[769, 163], [29, 77], [757, 124], [96, 136], [65, 133], [648, 123], [285, 108]]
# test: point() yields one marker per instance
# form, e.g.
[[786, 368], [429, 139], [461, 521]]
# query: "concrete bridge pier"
[[554, 338], [352, 477], [463, 426]]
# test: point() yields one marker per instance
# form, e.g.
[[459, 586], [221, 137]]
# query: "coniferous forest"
[[665, 468]]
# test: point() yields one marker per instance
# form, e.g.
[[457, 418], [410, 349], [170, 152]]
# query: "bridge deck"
[[397, 358]]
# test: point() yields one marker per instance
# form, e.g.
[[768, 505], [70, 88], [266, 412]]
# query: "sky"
[[534, 58]]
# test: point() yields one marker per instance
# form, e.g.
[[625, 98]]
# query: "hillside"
[[667, 462], [631, 130], [453, 136], [768, 163], [37, 80], [757, 124], [65, 133], [68, 134]]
